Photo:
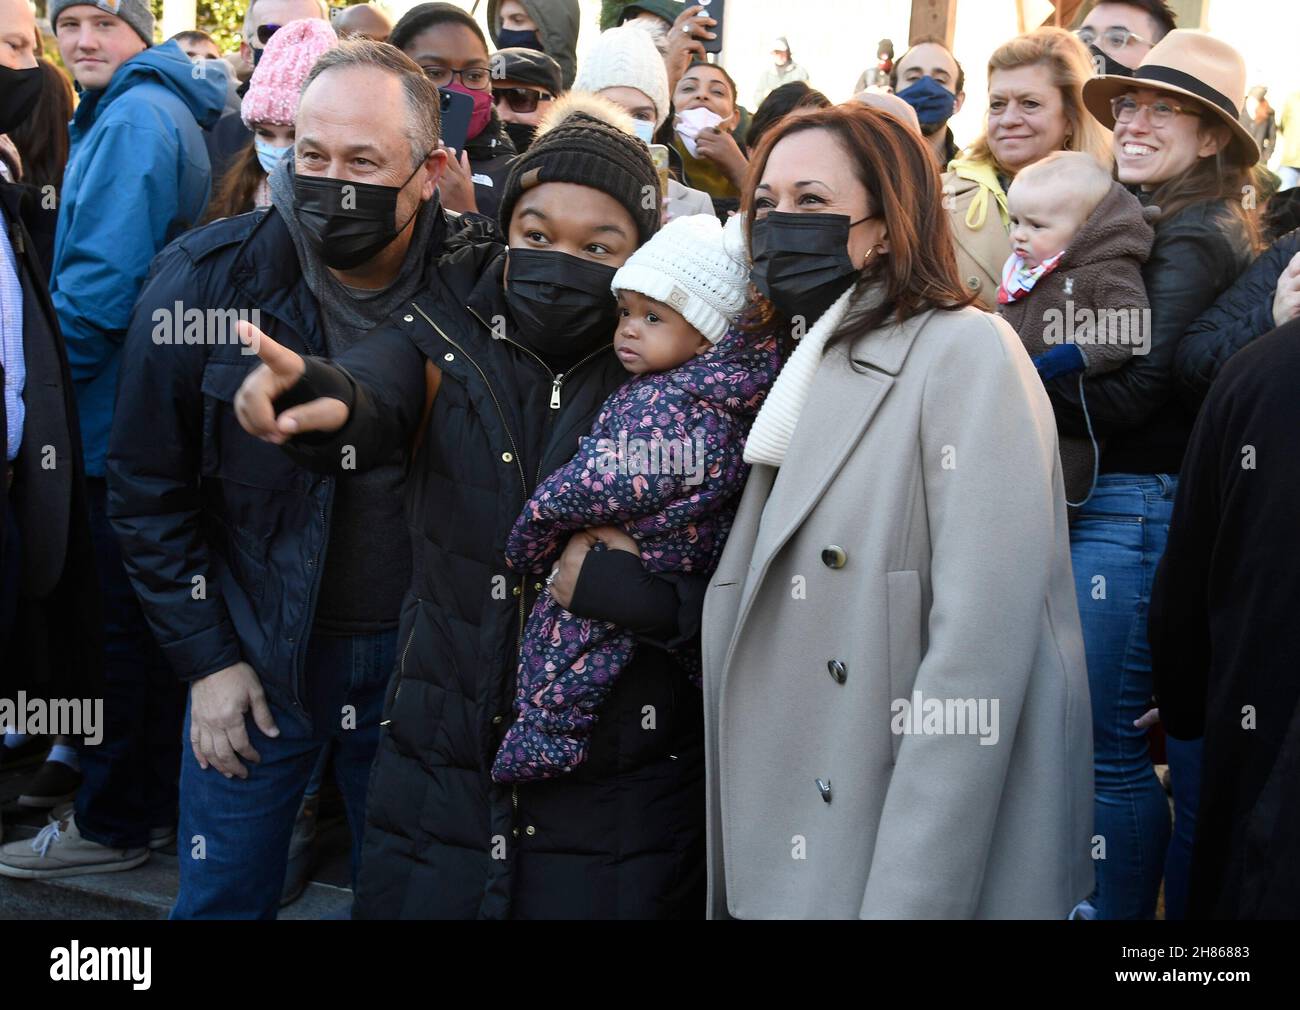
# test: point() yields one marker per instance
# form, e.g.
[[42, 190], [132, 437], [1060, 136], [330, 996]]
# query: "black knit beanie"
[[588, 151]]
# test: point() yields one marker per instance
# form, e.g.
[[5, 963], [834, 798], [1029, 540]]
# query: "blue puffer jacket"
[[1238, 316], [137, 177]]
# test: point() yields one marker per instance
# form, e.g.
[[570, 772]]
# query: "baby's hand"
[[1061, 360]]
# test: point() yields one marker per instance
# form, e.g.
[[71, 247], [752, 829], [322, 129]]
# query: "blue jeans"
[[129, 778], [1115, 544], [233, 841], [1185, 776]]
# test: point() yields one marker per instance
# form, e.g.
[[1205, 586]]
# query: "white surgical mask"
[[268, 155], [693, 122], [644, 129]]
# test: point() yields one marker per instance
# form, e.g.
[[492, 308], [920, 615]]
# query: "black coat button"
[[838, 670], [834, 556]]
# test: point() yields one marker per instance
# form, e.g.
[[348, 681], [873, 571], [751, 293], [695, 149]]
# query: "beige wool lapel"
[[847, 391]]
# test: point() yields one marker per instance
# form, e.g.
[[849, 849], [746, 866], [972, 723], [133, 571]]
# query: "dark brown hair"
[[1157, 10], [42, 138], [781, 102], [235, 191], [902, 181], [1224, 176]]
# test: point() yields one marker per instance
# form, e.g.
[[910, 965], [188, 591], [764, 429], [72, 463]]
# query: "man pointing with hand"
[[273, 591]]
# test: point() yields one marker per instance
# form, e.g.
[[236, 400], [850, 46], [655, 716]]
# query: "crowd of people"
[[639, 505]]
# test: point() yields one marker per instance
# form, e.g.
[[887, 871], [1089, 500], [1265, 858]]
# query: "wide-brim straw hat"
[[1189, 64]]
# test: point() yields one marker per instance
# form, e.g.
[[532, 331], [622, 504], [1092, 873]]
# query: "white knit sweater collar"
[[777, 418]]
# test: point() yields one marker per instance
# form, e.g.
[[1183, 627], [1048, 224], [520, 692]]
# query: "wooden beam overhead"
[[1065, 13], [933, 19]]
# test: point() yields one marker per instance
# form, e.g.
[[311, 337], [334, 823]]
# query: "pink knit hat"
[[272, 95]]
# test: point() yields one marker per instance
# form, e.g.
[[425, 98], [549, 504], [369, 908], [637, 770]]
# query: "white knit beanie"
[[694, 266], [626, 57]]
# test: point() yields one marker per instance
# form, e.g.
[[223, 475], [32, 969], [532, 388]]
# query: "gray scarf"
[[348, 318]]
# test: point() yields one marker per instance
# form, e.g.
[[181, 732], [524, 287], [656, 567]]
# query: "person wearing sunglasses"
[[452, 51], [525, 84], [264, 17], [1120, 33], [229, 138]]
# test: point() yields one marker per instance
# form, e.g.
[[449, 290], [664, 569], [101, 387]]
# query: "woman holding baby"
[[1178, 144], [542, 745]]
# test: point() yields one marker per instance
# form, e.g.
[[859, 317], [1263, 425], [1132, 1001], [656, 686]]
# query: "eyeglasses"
[[1116, 38], [264, 32], [474, 78], [520, 99], [1125, 109]]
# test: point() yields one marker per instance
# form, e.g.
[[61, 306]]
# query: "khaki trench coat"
[[983, 251]]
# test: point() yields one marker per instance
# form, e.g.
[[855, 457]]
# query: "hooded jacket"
[[137, 177], [557, 23], [1197, 254], [1099, 277]]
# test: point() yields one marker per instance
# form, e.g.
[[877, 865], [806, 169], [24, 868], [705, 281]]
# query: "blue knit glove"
[[1060, 360]]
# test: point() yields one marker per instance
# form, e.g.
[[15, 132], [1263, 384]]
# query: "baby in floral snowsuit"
[[664, 460]]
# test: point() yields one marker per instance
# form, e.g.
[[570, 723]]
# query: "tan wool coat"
[[911, 550]]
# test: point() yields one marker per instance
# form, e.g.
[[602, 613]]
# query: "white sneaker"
[[59, 850]]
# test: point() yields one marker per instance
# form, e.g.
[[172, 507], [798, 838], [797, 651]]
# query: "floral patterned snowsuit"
[[664, 460]]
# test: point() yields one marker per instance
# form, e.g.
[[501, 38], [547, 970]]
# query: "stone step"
[[149, 890]]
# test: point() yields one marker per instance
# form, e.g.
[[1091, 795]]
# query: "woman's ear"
[[881, 244], [1213, 140]]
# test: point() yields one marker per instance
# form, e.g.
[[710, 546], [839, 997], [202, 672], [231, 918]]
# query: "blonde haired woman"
[[1035, 107]]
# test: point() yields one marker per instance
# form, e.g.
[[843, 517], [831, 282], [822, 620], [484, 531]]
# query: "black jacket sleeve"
[[1190, 263], [382, 381], [1178, 626], [1242, 313], [153, 470], [663, 609]]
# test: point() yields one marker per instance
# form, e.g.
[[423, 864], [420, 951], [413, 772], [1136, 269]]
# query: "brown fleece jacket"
[[1094, 298]]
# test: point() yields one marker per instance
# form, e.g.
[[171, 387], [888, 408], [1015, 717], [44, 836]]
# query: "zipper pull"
[[555, 391]]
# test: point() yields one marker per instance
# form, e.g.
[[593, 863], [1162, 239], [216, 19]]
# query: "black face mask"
[[1108, 66], [346, 222], [20, 90], [521, 134], [561, 305], [512, 38], [801, 261]]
